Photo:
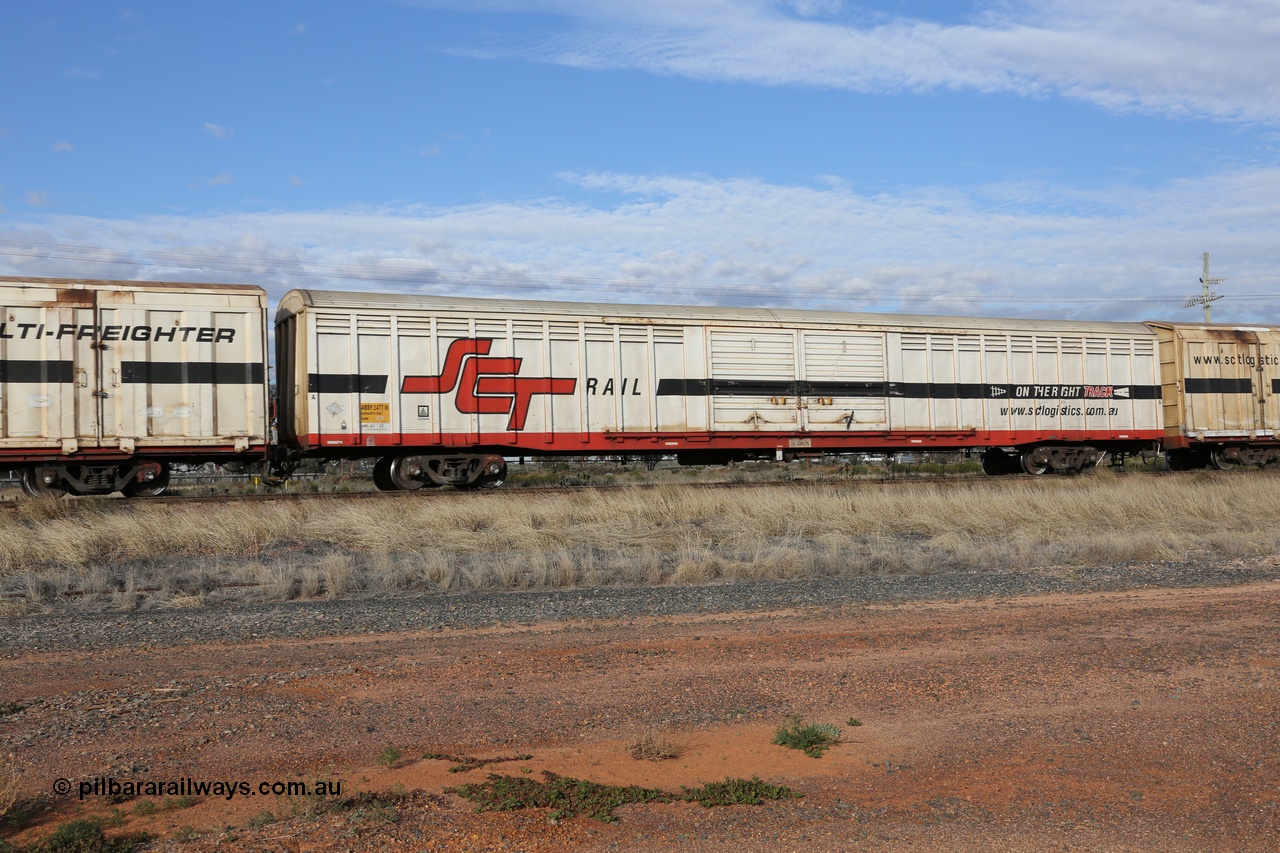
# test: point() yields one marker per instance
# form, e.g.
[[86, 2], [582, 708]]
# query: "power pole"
[[1208, 296]]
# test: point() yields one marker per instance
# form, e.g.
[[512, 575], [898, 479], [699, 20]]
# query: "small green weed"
[[568, 797], [854, 722], [813, 738], [389, 757], [464, 763], [735, 792], [86, 836], [183, 834], [169, 804]]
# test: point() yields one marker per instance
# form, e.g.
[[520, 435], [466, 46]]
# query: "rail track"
[[447, 493]]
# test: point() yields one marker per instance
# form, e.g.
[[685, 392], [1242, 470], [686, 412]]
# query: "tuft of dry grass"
[[651, 747], [8, 783], [92, 553]]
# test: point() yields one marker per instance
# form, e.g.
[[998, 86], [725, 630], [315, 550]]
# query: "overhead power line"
[[518, 281]]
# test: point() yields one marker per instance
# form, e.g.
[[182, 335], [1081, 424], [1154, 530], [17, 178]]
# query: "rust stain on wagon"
[[73, 296], [1246, 336]]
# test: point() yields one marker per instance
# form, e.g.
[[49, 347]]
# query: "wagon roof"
[[1184, 327], [113, 284], [298, 300]]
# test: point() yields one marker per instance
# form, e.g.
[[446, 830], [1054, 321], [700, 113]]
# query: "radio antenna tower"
[[1208, 296]]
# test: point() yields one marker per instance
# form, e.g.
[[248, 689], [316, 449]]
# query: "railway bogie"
[[464, 471]]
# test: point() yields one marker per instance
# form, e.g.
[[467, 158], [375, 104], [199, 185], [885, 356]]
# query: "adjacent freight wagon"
[[1221, 394], [105, 384], [441, 389]]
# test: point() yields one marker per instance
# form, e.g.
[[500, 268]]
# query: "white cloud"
[[63, 147], [220, 180], [218, 131], [295, 181], [1119, 253], [37, 198], [82, 73], [1204, 58]]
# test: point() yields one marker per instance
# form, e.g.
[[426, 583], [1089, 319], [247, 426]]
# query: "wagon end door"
[[1221, 377]]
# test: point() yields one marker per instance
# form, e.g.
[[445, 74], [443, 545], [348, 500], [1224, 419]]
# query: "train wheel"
[[1219, 461], [42, 483], [1033, 463], [400, 477], [495, 474], [152, 488], [382, 475]]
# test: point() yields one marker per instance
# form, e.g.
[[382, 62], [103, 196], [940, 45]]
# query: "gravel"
[[311, 619]]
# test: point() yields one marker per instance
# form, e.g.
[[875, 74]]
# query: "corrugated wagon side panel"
[[38, 370], [118, 369], [182, 369]]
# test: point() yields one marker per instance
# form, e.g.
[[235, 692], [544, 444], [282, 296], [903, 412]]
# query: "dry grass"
[[651, 747], [154, 555], [8, 783]]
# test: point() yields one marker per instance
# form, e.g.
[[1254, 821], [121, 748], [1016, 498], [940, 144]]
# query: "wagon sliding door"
[[752, 379], [844, 381]]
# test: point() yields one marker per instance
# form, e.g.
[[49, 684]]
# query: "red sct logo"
[[487, 385]]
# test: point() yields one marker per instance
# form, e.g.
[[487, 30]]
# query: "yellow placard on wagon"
[[375, 417]]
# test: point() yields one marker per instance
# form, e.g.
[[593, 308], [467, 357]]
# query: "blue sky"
[[1041, 158]]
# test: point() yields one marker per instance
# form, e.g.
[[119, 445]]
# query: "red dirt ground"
[[1111, 721]]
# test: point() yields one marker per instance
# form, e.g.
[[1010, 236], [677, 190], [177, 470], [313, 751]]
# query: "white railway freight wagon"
[[105, 384], [440, 389], [1221, 394]]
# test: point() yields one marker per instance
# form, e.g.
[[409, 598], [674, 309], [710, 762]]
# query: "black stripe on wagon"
[[346, 383], [1275, 386], [764, 388], [913, 390], [191, 373], [21, 370], [1219, 386]]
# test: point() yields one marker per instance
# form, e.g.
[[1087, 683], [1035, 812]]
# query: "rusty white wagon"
[[106, 384]]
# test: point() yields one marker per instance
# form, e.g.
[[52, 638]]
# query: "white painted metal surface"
[[131, 367], [663, 369]]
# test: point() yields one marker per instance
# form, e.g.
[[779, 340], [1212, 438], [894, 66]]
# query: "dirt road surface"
[[1139, 720]]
